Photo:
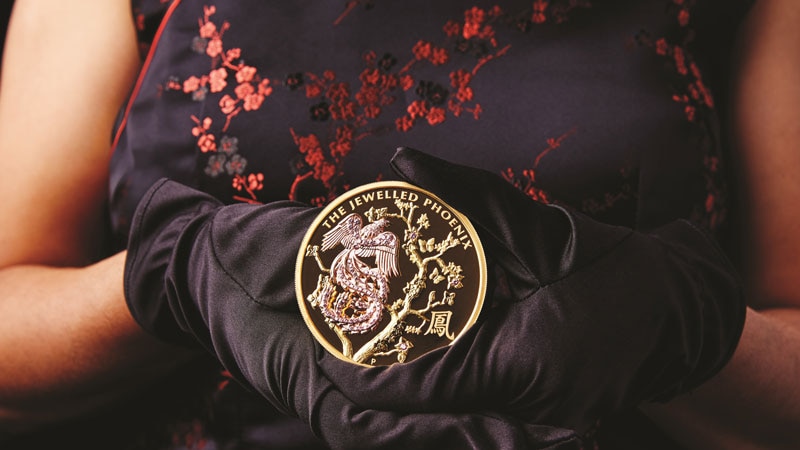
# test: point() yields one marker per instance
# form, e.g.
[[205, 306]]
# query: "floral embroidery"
[[245, 90], [690, 91], [350, 114]]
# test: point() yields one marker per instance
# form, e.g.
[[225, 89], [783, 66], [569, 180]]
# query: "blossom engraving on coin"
[[389, 272]]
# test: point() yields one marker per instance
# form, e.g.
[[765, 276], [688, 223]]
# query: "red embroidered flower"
[[368, 95], [404, 123], [388, 81], [406, 82], [338, 92], [343, 110], [253, 102], [436, 116], [325, 172], [214, 47], [216, 79], [227, 104], [264, 88], [370, 76], [201, 128], [417, 109], [473, 19], [233, 53], [207, 143], [372, 111], [245, 74], [460, 78], [243, 90], [452, 28], [464, 94], [683, 17], [191, 84], [421, 50], [438, 56], [340, 148], [313, 90], [308, 143], [255, 181], [208, 29]]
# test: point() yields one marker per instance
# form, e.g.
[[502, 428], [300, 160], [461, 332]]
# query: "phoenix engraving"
[[358, 308]]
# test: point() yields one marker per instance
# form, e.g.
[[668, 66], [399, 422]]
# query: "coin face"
[[389, 272]]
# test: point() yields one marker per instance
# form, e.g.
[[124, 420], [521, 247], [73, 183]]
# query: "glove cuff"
[[167, 214]]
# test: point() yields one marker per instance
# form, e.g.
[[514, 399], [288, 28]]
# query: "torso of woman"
[[610, 107]]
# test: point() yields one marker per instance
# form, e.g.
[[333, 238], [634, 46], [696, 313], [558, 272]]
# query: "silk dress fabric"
[[607, 106]]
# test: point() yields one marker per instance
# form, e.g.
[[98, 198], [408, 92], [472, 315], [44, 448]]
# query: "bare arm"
[[67, 344], [755, 401]]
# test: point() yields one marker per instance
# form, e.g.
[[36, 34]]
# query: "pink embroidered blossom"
[[208, 29], [216, 79], [253, 102], [243, 90], [201, 127], [245, 74], [234, 53], [191, 84], [264, 88], [214, 48], [207, 143], [227, 104], [255, 181]]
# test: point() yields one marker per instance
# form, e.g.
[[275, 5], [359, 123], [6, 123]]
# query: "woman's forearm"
[[68, 344], [754, 402]]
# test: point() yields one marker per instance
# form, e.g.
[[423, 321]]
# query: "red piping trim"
[[143, 72]]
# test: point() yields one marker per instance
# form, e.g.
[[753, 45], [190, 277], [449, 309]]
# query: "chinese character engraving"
[[440, 324]]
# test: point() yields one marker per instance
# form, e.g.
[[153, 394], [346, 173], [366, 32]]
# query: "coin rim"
[[338, 201]]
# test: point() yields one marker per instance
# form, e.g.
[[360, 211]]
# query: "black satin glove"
[[200, 273], [597, 318]]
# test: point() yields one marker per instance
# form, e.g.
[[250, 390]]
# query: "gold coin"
[[388, 272]]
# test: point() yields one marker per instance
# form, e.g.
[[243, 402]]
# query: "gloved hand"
[[597, 319], [198, 272]]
